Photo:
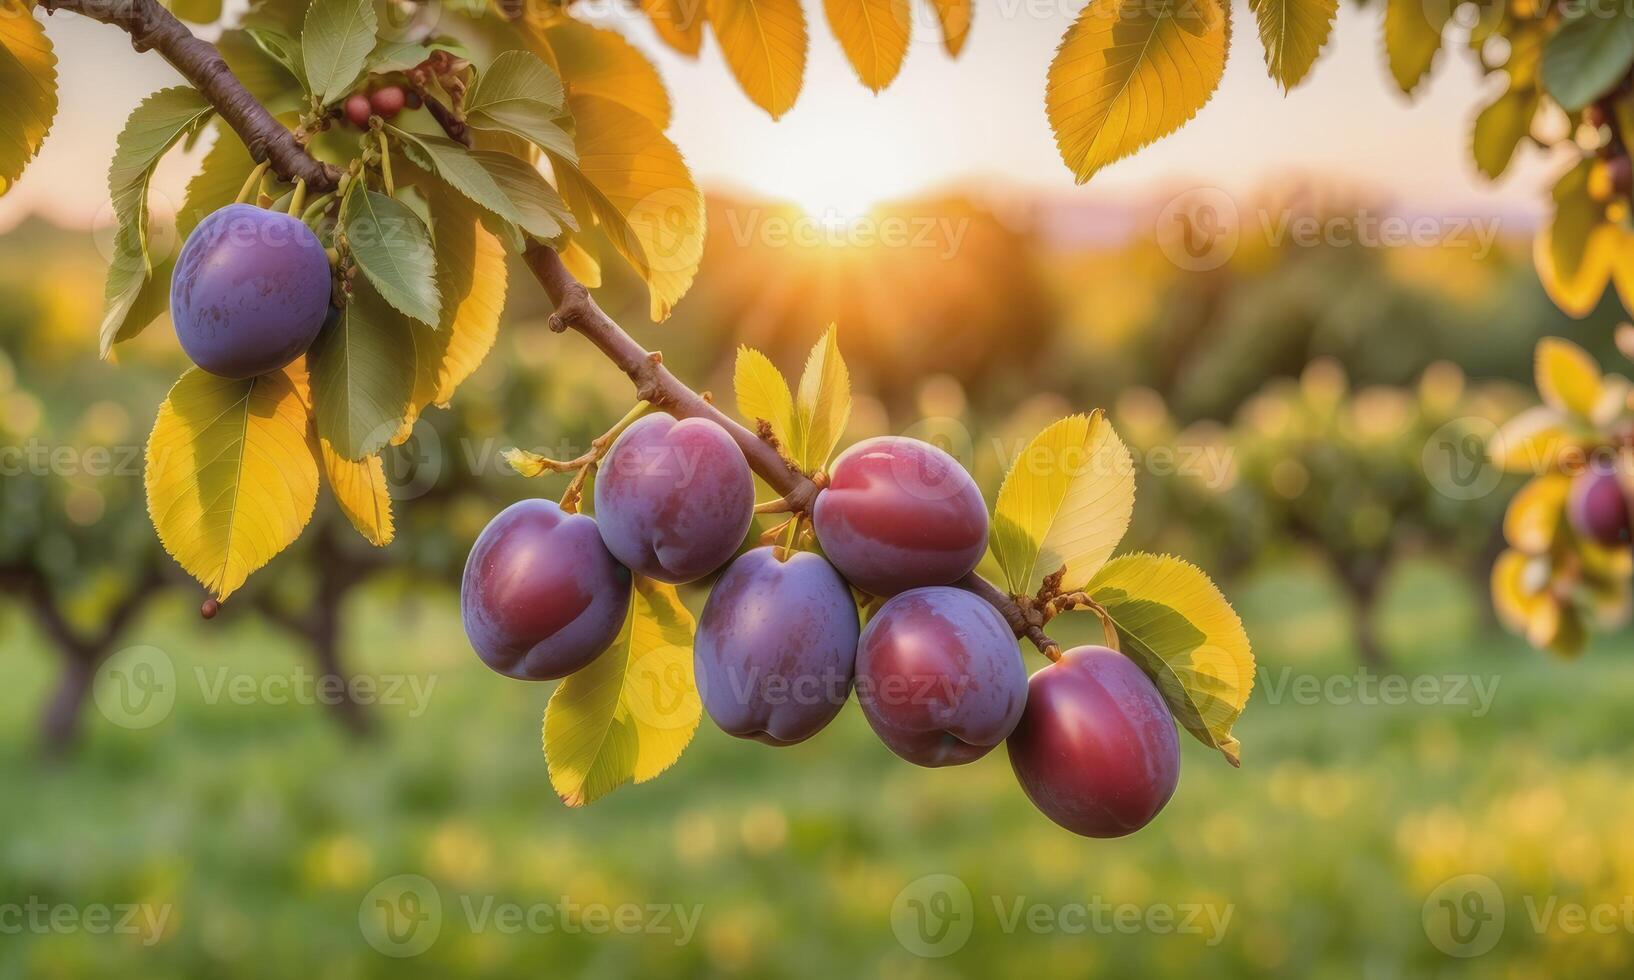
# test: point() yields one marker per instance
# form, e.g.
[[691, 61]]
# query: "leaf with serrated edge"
[[1065, 503], [520, 95], [363, 367], [764, 43], [459, 168], [471, 268], [1127, 74], [393, 249], [232, 474], [361, 491], [822, 407], [152, 129], [1567, 377], [1174, 623], [631, 713], [874, 36], [632, 180], [597, 61], [336, 40], [1412, 39], [28, 77], [1293, 33], [544, 213], [763, 394], [678, 23]]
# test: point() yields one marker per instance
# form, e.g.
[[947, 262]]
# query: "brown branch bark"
[[153, 27]]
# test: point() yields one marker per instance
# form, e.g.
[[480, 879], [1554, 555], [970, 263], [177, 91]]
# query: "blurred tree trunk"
[[1362, 578]]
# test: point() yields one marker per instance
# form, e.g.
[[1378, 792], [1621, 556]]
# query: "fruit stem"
[[297, 200], [385, 164], [791, 539], [316, 208], [250, 184]]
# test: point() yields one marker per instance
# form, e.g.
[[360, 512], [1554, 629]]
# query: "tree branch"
[[153, 27]]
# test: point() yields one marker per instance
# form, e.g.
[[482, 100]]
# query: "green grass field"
[[247, 834]]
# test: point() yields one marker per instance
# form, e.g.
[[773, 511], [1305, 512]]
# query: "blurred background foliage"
[[1287, 410]]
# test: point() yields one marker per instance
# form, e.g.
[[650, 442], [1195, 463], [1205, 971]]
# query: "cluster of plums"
[[1599, 506], [386, 102], [250, 291], [779, 647]]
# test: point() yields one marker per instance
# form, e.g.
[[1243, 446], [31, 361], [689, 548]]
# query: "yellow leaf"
[[596, 61], [471, 271], [528, 464], [1513, 599], [582, 262], [764, 43], [1568, 378], [763, 394], [679, 23], [1293, 33], [1531, 442], [874, 36], [629, 714], [361, 491], [1176, 625], [1535, 514], [28, 77], [1412, 39], [1129, 73], [822, 409], [954, 17], [232, 474], [1065, 503], [632, 180], [1577, 251]]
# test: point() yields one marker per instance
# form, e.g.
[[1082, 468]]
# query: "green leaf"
[[28, 79], [272, 84], [1500, 128], [284, 50], [1412, 39], [631, 713], [389, 56], [1173, 622], [763, 395], [459, 168], [363, 367], [822, 408], [544, 215], [336, 40], [1065, 504], [1293, 33], [152, 129], [216, 185], [1588, 55], [393, 249], [520, 95]]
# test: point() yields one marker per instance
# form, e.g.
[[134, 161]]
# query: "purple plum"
[[541, 596], [899, 514], [1598, 506], [674, 498], [776, 647], [1096, 750], [250, 291], [939, 676]]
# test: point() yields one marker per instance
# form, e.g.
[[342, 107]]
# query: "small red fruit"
[[388, 102], [358, 110]]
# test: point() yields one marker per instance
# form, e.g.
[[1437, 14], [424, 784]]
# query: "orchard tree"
[[344, 269]]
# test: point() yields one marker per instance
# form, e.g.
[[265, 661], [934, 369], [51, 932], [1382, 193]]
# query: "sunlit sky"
[[974, 120]]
